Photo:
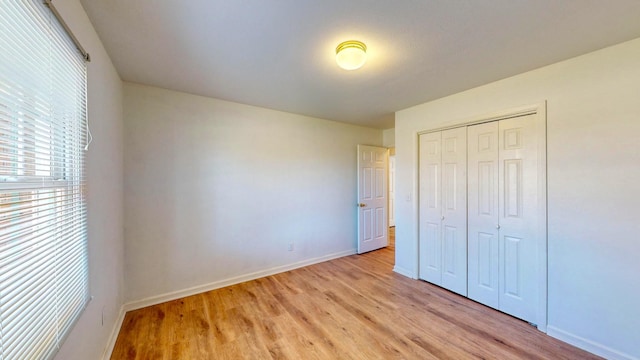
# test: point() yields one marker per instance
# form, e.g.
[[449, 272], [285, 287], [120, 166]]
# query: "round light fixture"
[[351, 55]]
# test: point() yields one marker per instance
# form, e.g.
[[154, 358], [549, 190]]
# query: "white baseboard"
[[114, 335], [588, 345], [405, 272], [158, 299]]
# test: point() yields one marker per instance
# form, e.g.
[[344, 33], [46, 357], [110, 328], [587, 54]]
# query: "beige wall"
[[389, 138], [593, 152], [216, 191], [104, 165]]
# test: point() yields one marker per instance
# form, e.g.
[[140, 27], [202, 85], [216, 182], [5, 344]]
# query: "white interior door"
[[443, 209], [454, 210], [372, 198], [430, 247], [392, 190], [483, 218], [518, 199]]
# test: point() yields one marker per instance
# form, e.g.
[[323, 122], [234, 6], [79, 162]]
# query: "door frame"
[[540, 112], [391, 189]]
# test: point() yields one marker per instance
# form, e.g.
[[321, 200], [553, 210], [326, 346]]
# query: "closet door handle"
[[497, 227], [442, 218]]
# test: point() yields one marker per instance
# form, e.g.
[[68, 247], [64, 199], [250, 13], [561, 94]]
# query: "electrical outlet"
[[290, 247]]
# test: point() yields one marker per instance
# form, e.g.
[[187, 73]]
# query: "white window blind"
[[43, 236]]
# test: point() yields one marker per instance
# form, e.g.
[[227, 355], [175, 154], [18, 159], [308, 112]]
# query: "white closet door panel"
[[430, 208], [454, 210], [483, 216], [518, 184]]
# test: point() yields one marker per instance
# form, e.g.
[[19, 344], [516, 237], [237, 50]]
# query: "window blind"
[[43, 236]]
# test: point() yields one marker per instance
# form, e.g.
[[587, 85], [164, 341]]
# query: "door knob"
[[497, 227], [362, 205], [442, 218]]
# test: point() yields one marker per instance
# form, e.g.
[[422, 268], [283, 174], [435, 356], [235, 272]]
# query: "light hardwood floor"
[[354, 307]]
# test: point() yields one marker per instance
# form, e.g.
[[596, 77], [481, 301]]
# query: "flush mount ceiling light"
[[351, 55]]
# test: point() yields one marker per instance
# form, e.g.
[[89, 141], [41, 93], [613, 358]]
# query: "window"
[[43, 231]]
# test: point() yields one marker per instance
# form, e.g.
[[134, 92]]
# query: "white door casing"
[[392, 190], [372, 198]]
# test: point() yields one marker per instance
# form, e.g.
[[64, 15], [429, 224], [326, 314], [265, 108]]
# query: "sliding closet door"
[[430, 208], [483, 214], [443, 209], [518, 199]]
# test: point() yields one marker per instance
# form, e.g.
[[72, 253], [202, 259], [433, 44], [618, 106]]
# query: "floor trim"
[[108, 350], [588, 345], [405, 272]]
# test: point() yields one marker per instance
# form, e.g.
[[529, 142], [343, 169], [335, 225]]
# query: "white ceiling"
[[280, 54]]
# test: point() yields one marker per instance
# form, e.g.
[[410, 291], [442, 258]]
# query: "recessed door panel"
[[366, 190], [381, 184], [431, 145], [512, 138], [449, 250], [512, 264], [367, 225], [433, 247], [366, 156], [485, 260], [512, 188], [450, 142], [432, 186], [486, 141], [380, 223], [449, 187], [483, 269], [487, 187], [431, 254]]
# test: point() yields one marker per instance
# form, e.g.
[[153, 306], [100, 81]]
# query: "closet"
[[481, 231]]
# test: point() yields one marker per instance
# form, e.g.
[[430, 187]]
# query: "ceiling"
[[280, 54]]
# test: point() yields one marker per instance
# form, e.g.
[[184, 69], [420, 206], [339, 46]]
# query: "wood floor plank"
[[349, 308]]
